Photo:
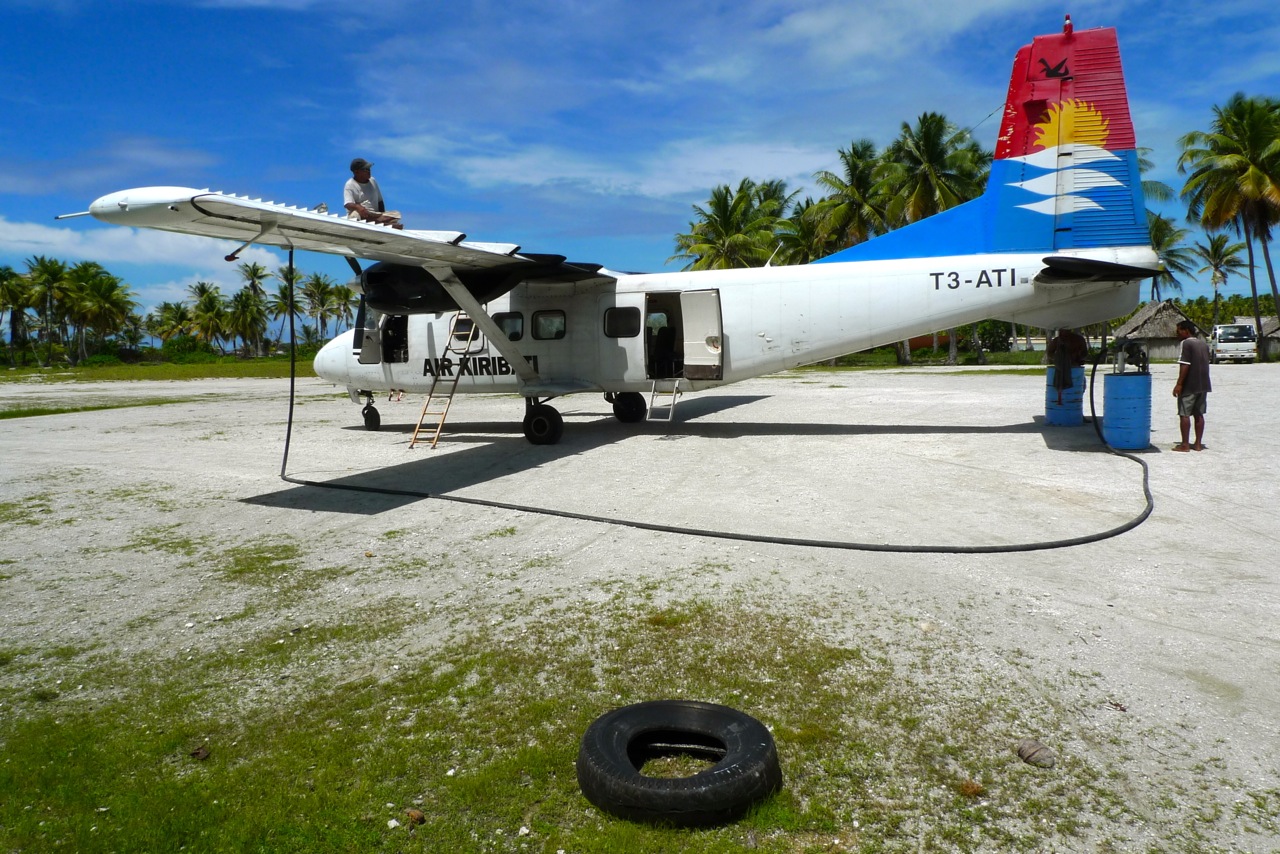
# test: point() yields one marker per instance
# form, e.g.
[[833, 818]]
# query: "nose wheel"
[[372, 420]]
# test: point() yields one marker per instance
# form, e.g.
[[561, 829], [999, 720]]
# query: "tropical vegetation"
[[1232, 188], [82, 314], [72, 313]]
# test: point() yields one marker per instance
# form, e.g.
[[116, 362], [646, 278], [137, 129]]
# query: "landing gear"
[[372, 420], [542, 423], [629, 406]]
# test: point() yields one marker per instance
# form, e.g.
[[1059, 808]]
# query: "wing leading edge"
[[220, 215]]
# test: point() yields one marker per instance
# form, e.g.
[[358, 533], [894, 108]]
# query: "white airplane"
[[1059, 239]]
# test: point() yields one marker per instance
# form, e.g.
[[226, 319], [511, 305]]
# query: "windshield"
[[1235, 333]]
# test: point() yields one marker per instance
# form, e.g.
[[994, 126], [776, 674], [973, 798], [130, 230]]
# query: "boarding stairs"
[[666, 387], [440, 395]]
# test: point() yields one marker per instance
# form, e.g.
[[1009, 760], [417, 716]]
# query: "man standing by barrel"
[[1193, 387]]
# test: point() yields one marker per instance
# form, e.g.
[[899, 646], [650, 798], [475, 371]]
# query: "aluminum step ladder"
[[665, 386], [440, 395]]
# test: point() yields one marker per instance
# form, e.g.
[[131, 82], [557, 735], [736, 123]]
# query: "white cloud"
[[122, 245], [108, 165], [679, 167]]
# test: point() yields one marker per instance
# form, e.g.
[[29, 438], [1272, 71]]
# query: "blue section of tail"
[[1025, 209]]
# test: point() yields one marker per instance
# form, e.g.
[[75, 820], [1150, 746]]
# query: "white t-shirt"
[[367, 195]]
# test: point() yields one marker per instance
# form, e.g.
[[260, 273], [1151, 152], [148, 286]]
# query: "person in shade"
[[1193, 386]]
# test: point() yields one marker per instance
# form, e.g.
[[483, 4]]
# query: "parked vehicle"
[[1233, 342]]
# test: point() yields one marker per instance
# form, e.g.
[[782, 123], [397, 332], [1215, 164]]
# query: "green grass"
[[228, 367], [35, 411], [885, 746]]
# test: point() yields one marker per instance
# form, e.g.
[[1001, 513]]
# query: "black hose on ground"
[[730, 535]]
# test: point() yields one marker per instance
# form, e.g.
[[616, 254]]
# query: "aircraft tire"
[[629, 407], [617, 744], [543, 425], [372, 420]]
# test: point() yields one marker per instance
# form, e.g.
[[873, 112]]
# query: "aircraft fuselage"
[[716, 327]]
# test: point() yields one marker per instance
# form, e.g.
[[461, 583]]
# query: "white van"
[[1233, 342]]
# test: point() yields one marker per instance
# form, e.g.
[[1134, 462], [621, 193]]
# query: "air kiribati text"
[[472, 366]]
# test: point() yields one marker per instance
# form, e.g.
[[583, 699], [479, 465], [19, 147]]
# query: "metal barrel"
[[1126, 410], [1070, 412]]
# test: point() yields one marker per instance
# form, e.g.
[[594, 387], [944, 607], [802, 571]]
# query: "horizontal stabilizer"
[[1062, 267]]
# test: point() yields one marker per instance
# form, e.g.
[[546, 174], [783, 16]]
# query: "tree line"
[[60, 312], [1232, 190]]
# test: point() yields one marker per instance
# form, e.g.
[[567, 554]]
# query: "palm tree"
[[929, 168], [1166, 240], [209, 314], [279, 304], [15, 298], [735, 229], [804, 236], [170, 319], [855, 207], [247, 318], [1152, 191], [50, 286], [95, 301], [322, 304], [1235, 178], [1220, 260], [103, 303], [255, 277], [344, 301]]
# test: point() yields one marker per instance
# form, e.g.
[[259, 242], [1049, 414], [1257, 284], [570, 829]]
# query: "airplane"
[[1058, 239]]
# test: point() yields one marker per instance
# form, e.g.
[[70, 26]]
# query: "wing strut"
[[453, 285], [267, 228]]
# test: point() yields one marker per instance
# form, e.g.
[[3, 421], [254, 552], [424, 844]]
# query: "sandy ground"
[[1176, 620]]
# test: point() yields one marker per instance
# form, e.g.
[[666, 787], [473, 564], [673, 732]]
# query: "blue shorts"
[[1193, 404]]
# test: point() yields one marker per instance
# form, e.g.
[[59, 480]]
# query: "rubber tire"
[[629, 407], [543, 425], [372, 420], [618, 743]]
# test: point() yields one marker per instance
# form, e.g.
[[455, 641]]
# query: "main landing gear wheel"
[[629, 407], [372, 420], [616, 746], [543, 425]]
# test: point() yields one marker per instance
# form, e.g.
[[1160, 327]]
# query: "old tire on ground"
[[617, 745]]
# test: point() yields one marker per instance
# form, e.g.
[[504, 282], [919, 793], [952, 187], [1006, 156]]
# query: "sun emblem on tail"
[[1072, 121]]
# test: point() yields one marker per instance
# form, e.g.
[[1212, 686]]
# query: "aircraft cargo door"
[[703, 342]]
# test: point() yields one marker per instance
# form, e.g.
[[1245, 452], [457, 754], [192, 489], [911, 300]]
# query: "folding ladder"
[[668, 386], [443, 388]]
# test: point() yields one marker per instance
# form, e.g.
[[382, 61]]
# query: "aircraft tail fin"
[[1065, 174]]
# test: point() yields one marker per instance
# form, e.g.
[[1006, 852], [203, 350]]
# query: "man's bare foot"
[[1199, 446], [1182, 448]]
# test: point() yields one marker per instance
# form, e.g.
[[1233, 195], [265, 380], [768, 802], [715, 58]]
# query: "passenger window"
[[463, 328], [548, 325], [622, 322], [511, 323]]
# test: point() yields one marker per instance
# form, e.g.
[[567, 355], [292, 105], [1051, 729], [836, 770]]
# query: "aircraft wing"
[[221, 215]]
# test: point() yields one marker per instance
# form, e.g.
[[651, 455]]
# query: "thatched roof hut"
[[1156, 324]]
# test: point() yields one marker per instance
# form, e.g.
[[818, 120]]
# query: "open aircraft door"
[[703, 335]]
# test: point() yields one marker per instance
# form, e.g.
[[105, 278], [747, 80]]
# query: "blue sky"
[[581, 128]]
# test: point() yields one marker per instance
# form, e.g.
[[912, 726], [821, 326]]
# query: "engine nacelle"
[[401, 289]]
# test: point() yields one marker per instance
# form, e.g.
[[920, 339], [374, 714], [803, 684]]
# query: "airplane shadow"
[[507, 453]]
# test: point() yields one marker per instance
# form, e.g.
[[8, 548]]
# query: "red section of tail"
[[1066, 87]]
